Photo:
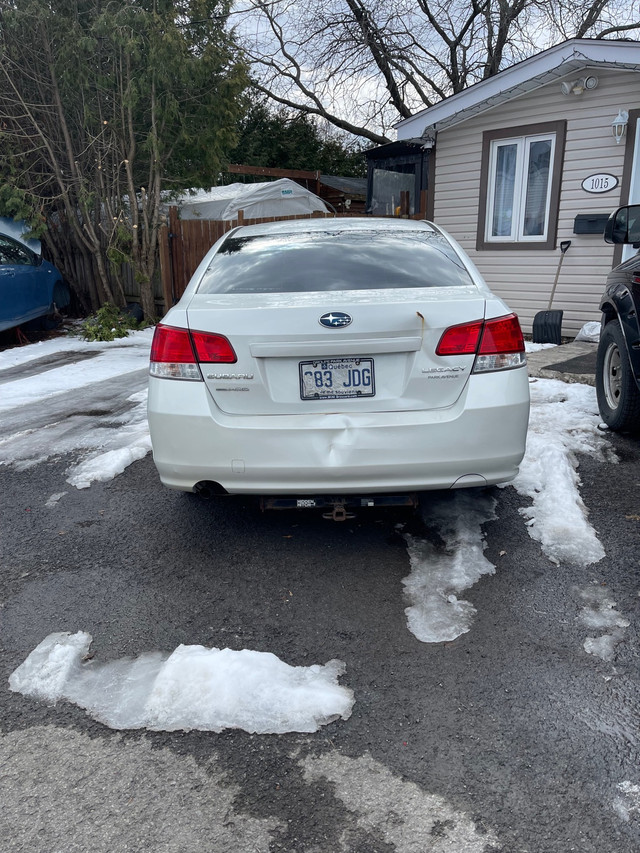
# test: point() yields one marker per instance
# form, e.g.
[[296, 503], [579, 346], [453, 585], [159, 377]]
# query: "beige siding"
[[524, 278]]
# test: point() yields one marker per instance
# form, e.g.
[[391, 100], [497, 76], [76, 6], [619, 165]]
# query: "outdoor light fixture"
[[619, 125], [577, 87]]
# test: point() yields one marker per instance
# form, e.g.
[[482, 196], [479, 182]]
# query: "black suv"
[[618, 361]]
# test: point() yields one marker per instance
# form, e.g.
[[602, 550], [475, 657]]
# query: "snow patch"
[[629, 803], [436, 614], [563, 422], [191, 688], [54, 499], [529, 346], [599, 614], [105, 441], [116, 358]]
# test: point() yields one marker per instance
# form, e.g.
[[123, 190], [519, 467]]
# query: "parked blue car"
[[30, 287]]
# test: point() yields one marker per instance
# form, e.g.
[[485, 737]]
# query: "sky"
[[52, 405]]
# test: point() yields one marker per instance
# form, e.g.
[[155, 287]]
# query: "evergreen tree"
[[285, 140]]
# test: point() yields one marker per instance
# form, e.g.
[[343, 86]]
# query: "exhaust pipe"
[[207, 489]]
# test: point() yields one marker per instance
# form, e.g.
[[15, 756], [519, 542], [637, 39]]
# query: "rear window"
[[318, 261]]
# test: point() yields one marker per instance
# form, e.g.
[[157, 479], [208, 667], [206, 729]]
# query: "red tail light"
[[460, 340], [498, 343], [172, 345], [181, 346], [502, 335], [175, 353], [213, 348]]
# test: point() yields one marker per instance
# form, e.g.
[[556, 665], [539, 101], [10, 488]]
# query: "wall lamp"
[[619, 125]]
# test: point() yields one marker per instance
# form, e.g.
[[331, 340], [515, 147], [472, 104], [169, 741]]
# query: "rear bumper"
[[480, 439]]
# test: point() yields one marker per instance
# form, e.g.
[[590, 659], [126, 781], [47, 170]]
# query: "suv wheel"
[[616, 388]]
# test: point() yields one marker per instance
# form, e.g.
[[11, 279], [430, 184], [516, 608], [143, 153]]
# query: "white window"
[[519, 189]]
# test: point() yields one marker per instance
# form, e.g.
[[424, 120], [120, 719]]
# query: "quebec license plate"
[[337, 378]]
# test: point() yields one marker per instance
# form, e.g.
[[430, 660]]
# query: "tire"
[[616, 388], [61, 295]]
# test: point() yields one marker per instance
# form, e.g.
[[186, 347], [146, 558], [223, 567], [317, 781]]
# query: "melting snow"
[[599, 614], [191, 688], [629, 803], [564, 422], [436, 614], [90, 407]]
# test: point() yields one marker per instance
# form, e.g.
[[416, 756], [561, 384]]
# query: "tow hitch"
[[338, 506]]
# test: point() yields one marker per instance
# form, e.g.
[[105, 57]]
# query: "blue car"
[[30, 287]]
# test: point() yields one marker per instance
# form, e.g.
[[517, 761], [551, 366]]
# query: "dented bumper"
[[479, 440]]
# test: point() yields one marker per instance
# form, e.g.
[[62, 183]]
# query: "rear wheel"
[[616, 388]]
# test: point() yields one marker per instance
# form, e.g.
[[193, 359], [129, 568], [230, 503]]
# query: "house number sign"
[[600, 183]]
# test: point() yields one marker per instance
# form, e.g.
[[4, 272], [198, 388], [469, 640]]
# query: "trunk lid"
[[383, 360]]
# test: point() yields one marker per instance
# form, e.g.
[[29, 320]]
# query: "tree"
[[364, 64], [103, 107], [288, 140]]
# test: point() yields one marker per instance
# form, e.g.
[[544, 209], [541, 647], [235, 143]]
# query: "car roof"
[[334, 225]]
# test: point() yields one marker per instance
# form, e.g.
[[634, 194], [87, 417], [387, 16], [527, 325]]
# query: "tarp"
[[276, 198]]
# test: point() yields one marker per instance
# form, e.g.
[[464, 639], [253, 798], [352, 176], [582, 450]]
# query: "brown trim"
[[625, 187], [560, 130]]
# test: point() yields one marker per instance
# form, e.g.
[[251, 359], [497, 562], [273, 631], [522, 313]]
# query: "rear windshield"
[[317, 261]]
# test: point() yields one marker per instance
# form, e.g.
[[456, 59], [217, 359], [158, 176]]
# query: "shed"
[[258, 201]]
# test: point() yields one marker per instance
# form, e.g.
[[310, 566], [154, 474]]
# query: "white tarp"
[[276, 198]]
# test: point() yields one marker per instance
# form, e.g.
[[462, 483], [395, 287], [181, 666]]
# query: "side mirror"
[[623, 226]]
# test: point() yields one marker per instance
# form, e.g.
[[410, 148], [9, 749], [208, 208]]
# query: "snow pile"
[[564, 421], [436, 614], [599, 614], [191, 688]]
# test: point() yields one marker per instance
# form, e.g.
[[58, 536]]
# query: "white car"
[[352, 356]]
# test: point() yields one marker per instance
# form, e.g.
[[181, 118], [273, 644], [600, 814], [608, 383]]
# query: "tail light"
[[176, 353], [497, 344]]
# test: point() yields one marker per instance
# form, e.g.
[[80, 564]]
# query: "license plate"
[[337, 378]]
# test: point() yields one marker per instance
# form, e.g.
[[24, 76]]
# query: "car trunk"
[[384, 360]]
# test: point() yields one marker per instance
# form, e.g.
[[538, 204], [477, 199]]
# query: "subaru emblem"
[[335, 320]]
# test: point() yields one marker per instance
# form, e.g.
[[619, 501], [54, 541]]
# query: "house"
[[539, 154]]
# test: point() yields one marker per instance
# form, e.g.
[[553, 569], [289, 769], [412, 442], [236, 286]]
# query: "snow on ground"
[[628, 804], [563, 422], [191, 688], [435, 613], [599, 614], [68, 395]]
